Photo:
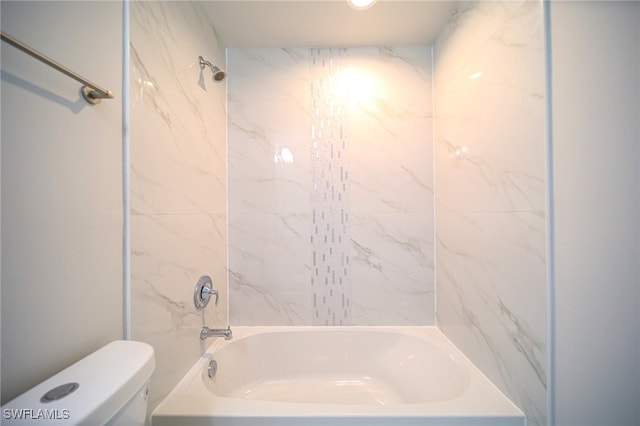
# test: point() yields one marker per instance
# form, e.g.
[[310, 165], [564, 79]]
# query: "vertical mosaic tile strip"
[[330, 237]]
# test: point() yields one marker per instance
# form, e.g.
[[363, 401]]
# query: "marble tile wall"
[[490, 198], [178, 183], [390, 186]]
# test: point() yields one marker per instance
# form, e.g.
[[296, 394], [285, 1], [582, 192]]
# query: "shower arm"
[[203, 62], [218, 74]]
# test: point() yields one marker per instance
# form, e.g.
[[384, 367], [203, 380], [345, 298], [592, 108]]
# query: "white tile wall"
[[490, 213], [178, 183], [390, 193]]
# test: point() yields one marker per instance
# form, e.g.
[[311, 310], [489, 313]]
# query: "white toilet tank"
[[108, 387]]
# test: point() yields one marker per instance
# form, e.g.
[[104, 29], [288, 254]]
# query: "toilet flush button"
[[59, 392]]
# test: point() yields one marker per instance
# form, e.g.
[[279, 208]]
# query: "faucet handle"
[[206, 291], [203, 291]]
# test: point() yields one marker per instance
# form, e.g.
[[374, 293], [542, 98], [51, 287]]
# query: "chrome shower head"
[[218, 74]]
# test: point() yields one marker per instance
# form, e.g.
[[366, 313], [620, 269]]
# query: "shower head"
[[218, 74]]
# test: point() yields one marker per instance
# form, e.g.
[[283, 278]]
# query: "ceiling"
[[324, 23]]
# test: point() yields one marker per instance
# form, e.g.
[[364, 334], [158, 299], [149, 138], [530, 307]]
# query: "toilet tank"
[[109, 386]]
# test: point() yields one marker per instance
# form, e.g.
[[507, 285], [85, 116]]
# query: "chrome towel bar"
[[91, 92]]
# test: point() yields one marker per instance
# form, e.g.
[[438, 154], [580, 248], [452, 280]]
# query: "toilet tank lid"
[[108, 378]]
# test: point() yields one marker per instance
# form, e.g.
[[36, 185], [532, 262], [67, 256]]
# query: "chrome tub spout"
[[216, 332]]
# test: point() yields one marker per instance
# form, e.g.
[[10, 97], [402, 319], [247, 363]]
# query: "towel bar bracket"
[[94, 97]]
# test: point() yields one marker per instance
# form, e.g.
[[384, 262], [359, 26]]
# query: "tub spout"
[[216, 332]]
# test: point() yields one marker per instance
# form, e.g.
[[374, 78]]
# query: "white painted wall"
[[61, 190], [596, 139]]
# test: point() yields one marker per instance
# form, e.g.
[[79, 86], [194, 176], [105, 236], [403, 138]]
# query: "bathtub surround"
[[178, 183], [61, 190], [490, 198], [389, 186]]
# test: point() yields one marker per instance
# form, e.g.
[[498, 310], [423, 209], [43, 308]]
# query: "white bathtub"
[[307, 376]]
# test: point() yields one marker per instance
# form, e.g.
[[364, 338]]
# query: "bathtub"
[[334, 376]]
